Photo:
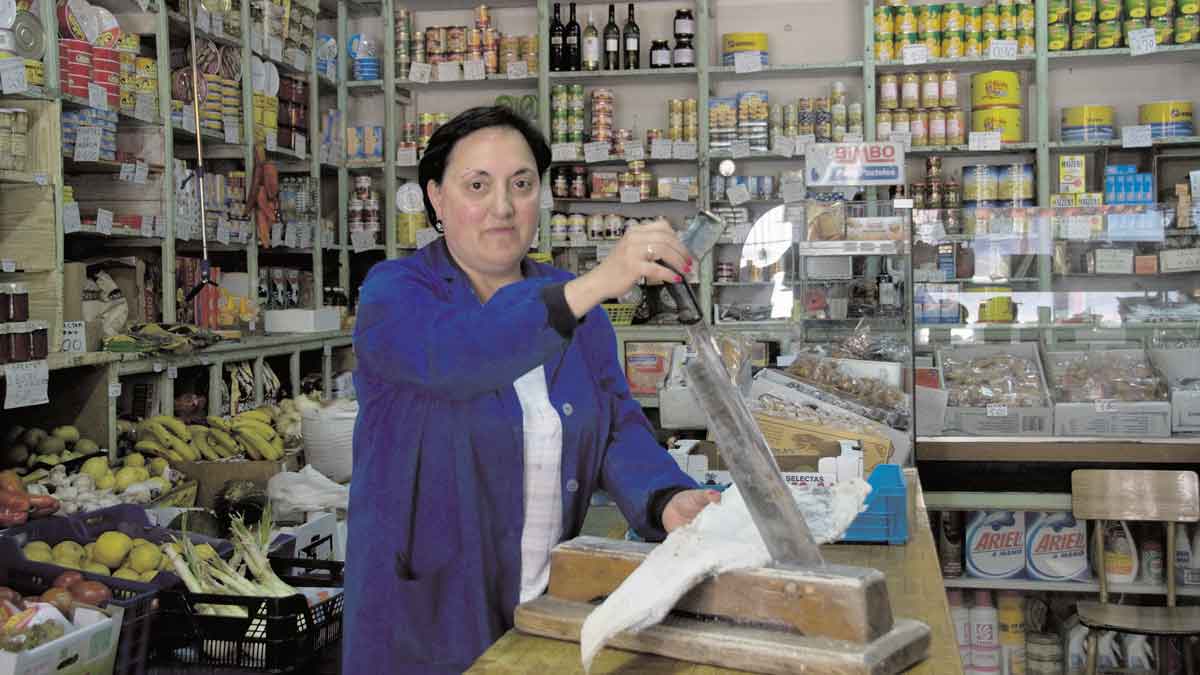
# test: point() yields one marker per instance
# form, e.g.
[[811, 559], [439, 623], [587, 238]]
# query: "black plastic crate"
[[281, 635], [136, 599]]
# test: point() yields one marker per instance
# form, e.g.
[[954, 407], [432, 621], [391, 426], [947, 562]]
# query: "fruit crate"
[[279, 635], [137, 602]]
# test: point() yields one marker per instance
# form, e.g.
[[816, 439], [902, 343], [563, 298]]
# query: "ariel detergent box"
[[995, 545], [1056, 546]]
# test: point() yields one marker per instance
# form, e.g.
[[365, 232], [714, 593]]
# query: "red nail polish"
[[678, 278], [688, 267]]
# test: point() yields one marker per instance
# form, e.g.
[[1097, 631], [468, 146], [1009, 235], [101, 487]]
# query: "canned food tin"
[[973, 19], [931, 90], [1057, 11], [904, 39], [952, 17], [883, 124], [990, 19], [1014, 181], [1083, 36], [1137, 9], [995, 88], [933, 43], [1131, 25], [1084, 11], [1006, 18], [980, 183], [1108, 10], [1026, 18], [956, 127], [953, 45], [937, 127], [929, 18], [889, 93], [1059, 37], [884, 20], [1162, 8], [884, 52], [1108, 34], [905, 21], [1187, 28], [1005, 120], [1164, 29]]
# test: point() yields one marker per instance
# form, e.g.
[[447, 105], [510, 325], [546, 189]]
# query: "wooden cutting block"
[[836, 602]]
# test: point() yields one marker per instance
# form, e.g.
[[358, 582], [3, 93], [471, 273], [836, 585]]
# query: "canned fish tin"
[[953, 45], [884, 20], [1164, 29], [995, 88], [1187, 28], [1108, 34], [937, 127], [1005, 120], [1108, 10], [956, 127], [1137, 9], [952, 17], [948, 89], [910, 91], [883, 124], [1083, 11], [980, 183], [1162, 8]]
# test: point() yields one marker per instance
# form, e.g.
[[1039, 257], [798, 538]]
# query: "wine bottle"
[[572, 39], [556, 41], [591, 45], [633, 42], [612, 41]]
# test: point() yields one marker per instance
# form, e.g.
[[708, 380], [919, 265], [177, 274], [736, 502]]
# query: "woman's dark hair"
[[437, 151]]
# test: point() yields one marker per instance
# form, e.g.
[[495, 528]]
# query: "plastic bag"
[[307, 490], [328, 433]]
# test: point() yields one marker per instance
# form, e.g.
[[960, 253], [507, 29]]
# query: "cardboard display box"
[[90, 648], [212, 476], [129, 275], [647, 365], [1118, 419], [1175, 364], [998, 420]]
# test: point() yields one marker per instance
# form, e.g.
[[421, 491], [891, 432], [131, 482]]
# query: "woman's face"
[[488, 200]]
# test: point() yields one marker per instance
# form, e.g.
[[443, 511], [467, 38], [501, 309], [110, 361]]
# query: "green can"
[[1108, 10], [1189, 7], [1083, 35], [1084, 11], [885, 20], [1026, 17], [1059, 37], [987, 37], [1137, 9], [1187, 28], [973, 44], [990, 18], [929, 19], [1026, 42], [933, 42], [905, 21], [1159, 8], [1058, 11], [973, 19], [1130, 25], [953, 18], [953, 44], [1010, 34], [1164, 30], [1108, 34], [903, 39]]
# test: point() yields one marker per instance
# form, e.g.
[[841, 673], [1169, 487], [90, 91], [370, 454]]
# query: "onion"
[[60, 598]]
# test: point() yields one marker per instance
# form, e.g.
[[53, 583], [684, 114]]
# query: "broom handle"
[[192, 8]]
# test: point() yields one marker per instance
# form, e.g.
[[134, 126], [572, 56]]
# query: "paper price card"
[[420, 72], [114, 390], [8, 266], [291, 235], [982, 141], [474, 70], [634, 150], [793, 192], [1106, 405], [1137, 136], [104, 221], [272, 140], [299, 60], [738, 194], [852, 138], [26, 384], [406, 157], [547, 197], [803, 141], [276, 234], [747, 62], [148, 229], [189, 119], [87, 144], [1142, 42], [223, 230], [680, 192], [903, 138], [233, 135], [518, 70], [630, 195], [143, 107], [97, 97], [561, 152], [301, 143], [127, 170], [784, 146], [74, 338], [140, 173], [42, 178], [740, 149], [661, 148], [1002, 49], [595, 152], [684, 150], [449, 72], [362, 241], [902, 203], [172, 372], [915, 55], [71, 221], [12, 76], [997, 410]]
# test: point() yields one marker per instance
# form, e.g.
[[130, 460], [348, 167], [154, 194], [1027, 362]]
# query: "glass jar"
[[20, 338], [684, 55], [18, 302], [5, 347], [40, 340], [660, 54], [685, 24], [579, 187]]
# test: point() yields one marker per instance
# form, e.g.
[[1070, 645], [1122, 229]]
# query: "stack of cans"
[[683, 119], [567, 115], [603, 112], [106, 72], [365, 57], [753, 113], [327, 55], [404, 41], [105, 120], [75, 66]]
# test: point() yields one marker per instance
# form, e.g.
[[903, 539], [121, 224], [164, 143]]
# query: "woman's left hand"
[[686, 505]]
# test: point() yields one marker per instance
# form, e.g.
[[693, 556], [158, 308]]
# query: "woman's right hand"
[[632, 259]]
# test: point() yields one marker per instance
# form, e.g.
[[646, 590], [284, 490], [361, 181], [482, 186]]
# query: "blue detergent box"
[[1118, 169]]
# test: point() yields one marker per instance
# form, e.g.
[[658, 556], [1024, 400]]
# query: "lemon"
[[140, 542], [88, 550], [126, 573], [126, 477], [106, 482], [158, 466], [96, 568], [95, 467], [38, 551], [135, 459], [111, 549], [67, 551], [147, 577], [145, 558]]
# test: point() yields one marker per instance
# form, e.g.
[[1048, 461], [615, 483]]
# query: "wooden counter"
[[914, 584]]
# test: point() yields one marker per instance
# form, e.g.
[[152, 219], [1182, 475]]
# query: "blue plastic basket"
[[886, 516]]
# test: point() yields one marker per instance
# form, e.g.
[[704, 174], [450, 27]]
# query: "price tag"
[[852, 138], [172, 372], [114, 390], [304, 236], [420, 72], [87, 144], [160, 225], [1002, 49], [362, 241], [449, 72], [595, 152], [276, 234], [300, 60], [140, 173], [189, 120], [747, 62], [793, 191], [426, 236], [982, 141], [740, 149], [1106, 405], [406, 156], [143, 107], [159, 366], [26, 384], [203, 20], [518, 70], [547, 197], [630, 195], [680, 192], [997, 410], [222, 230], [275, 48], [233, 135], [71, 222], [217, 25], [126, 174], [41, 178], [738, 194], [684, 150], [74, 337], [563, 152], [784, 146], [300, 141], [8, 266], [1142, 41], [661, 148], [104, 220], [1137, 136], [97, 97], [1079, 228], [634, 151], [473, 70], [802, 143], [272, 140], [148, 229], [902, 137], [916, 55], [291, 235], [12, 76]]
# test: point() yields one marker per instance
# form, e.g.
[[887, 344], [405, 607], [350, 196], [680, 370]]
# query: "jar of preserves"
[[956, 127], [889, 92], [951, 197], [883, 124], [562, 184], [660, 54], [595, 226], [684, 55], [937, 127], [948, 89], [40, 340], [933, 193], [579, 188], [910, 91], [919, 127], [916, 192], [931, 90], [685, 24]]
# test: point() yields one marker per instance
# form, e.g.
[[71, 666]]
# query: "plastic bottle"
[[985, 635], [960, 616], [1011, 616], [1139, 654], [1109, 651], [1120, 553], [1183, 553], [1076, 647], [1193, 570], [950, 543], [1151, 565]]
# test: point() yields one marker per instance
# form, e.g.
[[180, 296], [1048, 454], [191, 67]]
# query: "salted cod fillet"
[[720, 539]]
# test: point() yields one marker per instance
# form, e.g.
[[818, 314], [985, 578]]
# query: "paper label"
[[1142, 41], [275, 48], [1079, 228], [560, 152], [410, 199], [661, 148], [684, 150], [12, 76], [997, 410], [474, 70], [301, 143], [634, 151], [747, 62], [426, 236], [982, 141], [272, 140], [26, 384], [291, 235], [172, 372], [104, 221], [915, 55], [802, 143], [362, 241], [189, 119], [8, 266], [1002, 49], [74, 339], [784, 146], [547, 197], [87, 144], [420, 72], [449, 72], [126, 174], [148, 229], [71, 222], [406, 157], [903, 138], [738, 194], [300, 60], [114, 390], [276, 234], [233, 135], [630, 195], [793, 191], [1137, 136], [1106, 405], [595, 152], [140, 173], [680, 192], [222, 230], [143, 107], [902, 203], [43, 179], [517, 70], [852, 138], [97, 97], [740, 149]]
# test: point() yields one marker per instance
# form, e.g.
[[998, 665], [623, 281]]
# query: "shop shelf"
[[618, 76], [1120, 56], [70, 166], [649, 333], [179, 27], [819, 248], [750, 202], [617, 161], [719, 73], [286, 154], [77, 102], [962, 64], [364, 87], [26, 177], [998, 501], [1176, 450], [1006, 149], [493, 81], [647, 401], [755, 155], [1084, 146], [1067, 586], [653, 200]]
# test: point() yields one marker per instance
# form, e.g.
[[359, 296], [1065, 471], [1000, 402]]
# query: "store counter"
[[914, 584]]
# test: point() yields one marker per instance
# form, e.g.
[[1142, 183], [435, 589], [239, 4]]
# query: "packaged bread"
[[826, 221]]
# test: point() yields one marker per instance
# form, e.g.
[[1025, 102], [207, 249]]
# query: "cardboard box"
[[1121, 419], [998, 420], [647, 365], [89, 649], [1072, 174], [1175, 364], [212, 476], [127, 273], [849, 462], [1145, 264], [302, 320]]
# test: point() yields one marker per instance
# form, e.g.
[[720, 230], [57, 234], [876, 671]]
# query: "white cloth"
[[543, 482]]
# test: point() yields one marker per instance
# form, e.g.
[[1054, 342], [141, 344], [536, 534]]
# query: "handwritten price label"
[[420, 72], [97, 97], [26, 384], [747, 62], [915, 55], [1142, 42]]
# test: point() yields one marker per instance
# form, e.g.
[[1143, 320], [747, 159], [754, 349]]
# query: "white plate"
[[258, 73], [272, 88]]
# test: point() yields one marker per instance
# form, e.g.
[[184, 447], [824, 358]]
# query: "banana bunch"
[[167, 437], [251, 432]]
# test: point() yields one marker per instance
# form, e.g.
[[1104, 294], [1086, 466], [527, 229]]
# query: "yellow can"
[[1188, 7], [885, 22], [1026, 18], [952, 44], [1005, 120], [995, 88], [933, 43], [1026, 42], [884, 51], [906, 20], [973, 44], [731, 43], [145, 67], [35, 73], [1162, 7], [1187, 28], [1088, 116], [1165, 112]]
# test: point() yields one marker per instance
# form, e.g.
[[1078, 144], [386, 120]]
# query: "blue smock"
[[440, 430]]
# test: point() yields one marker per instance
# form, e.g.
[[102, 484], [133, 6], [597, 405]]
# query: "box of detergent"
[[995, 545], [1056, 546]]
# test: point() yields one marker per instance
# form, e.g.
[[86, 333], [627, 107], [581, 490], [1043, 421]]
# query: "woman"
[[491, 407]]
